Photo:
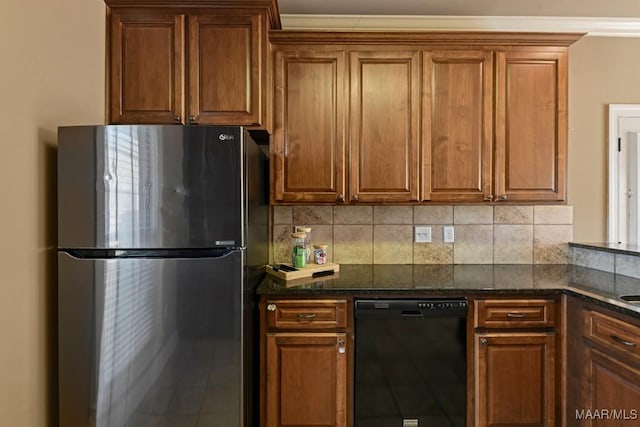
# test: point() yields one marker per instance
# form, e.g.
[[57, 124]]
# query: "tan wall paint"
[[51, 73], [602, 71]]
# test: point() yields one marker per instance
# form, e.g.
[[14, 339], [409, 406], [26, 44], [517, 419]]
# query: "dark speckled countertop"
[[463, 280]]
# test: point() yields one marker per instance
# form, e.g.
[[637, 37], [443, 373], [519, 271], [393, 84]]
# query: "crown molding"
[[597, 27]]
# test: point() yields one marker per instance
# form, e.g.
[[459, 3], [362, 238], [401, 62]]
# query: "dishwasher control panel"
[[428, 307]]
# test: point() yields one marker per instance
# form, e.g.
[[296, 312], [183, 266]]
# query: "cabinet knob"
[[489, 197], [354, 198], [271, 307], [503, 197], [177, 119], [341, 197], [193, 120], [341, 348], [484, 341]]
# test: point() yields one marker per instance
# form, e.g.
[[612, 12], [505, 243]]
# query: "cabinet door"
[[147, 68], [531, 125], [225, 79], [309, 130], [515, 379], [306, 380], [385, 114], [612, 385], [457, 123]]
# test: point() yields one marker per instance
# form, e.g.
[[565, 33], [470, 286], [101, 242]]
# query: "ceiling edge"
[[597, 27]]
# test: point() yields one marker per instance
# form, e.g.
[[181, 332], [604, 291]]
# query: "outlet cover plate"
[[448, 235], [422, 234]]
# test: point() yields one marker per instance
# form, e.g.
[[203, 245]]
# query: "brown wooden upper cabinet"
[[384, 124], [457, 126], [429, 117], [531, 125], [187, 66], [307, 154]]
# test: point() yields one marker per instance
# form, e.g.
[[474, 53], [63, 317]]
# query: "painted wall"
[[51, 73], [602, 71]]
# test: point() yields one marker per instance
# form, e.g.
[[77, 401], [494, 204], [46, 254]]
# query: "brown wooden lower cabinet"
[[514, 379], [612, 391], [306, 379]]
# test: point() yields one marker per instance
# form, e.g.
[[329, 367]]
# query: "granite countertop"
[[595, 285], [619, 248]]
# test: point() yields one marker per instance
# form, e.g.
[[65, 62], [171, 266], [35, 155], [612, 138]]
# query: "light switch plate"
[[422, 234], [448, 235]]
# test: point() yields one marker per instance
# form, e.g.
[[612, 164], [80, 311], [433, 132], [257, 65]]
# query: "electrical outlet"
[[422, 234], [448, 235]]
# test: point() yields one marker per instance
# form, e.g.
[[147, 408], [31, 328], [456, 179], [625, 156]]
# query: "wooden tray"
[[307, 271]]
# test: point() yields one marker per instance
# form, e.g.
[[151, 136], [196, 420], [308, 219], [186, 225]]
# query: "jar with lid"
[[299, 249], [320, 254], [307, 230]]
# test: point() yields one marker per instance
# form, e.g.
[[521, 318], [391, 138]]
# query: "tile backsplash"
[[384, 234]]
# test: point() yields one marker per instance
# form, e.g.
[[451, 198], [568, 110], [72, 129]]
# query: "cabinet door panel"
[[515, 379], [306, 380], [308, 145], [385, 106], [224, 64], [611, 385], [147, 74], [457, 126], [531, 128]]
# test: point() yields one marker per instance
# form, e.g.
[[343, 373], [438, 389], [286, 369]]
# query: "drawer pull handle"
[[516, 315], [306, 316], [622, 341]]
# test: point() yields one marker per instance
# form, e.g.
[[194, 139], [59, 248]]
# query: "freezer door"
[[151, 187], [150, 341]]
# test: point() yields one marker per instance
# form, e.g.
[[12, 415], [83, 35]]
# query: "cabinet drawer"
[[306, 314], [612, 333], [514, 313]]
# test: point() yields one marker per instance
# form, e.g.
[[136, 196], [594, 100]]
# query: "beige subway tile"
[[513, 244], [553, 215], [473, 215], [473, 244], [393, 214], [550, 243], [353, 214], [433, 214], [436, 252], [353, 244], [513, 214], [392, 244], [312, 215], [282, 215]]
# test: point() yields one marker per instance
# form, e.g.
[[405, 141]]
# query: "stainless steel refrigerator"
[[163, 232]]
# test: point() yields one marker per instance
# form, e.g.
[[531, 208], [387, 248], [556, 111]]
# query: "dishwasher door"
[[410, 363]]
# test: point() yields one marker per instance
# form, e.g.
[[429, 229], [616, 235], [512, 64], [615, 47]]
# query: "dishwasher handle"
[[411, 313]]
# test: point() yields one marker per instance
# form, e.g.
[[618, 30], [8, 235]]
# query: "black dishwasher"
[[410, 362]]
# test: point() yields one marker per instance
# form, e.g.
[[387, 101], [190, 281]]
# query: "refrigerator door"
[[151, 341], [151, 187]]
